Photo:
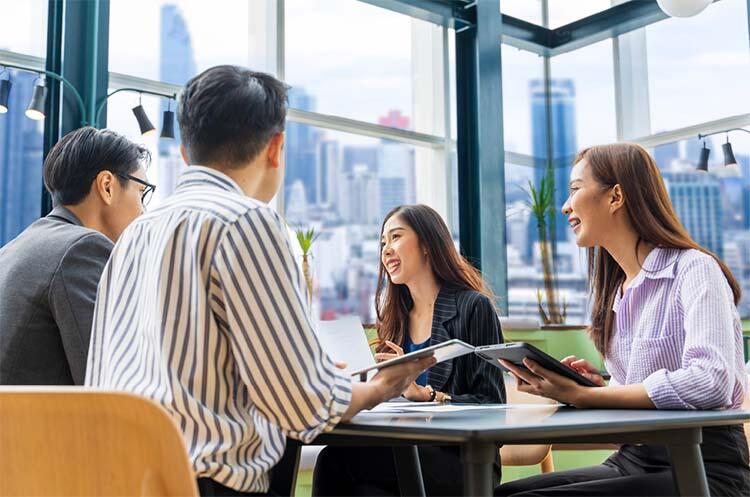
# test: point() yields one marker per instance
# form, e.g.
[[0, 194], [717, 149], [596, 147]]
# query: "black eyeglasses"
[[147, 192]]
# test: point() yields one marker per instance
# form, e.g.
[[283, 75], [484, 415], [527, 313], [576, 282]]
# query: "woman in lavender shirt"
[[665, 319]]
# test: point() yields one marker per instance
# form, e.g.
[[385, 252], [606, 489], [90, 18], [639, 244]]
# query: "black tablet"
[[515, 352]]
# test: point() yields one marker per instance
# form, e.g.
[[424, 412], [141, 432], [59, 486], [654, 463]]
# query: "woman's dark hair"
[[75, 161], [650, 212], [227, 114], [393, 302]]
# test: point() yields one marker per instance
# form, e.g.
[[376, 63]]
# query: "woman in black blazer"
[[427, 294]]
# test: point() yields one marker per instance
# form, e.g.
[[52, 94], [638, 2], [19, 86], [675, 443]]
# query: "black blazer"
[[468, 316]]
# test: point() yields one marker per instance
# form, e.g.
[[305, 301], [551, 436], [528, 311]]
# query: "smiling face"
[[401, 255], [589, 207]]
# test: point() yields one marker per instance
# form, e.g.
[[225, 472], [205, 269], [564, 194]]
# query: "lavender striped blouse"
[[678, 332]]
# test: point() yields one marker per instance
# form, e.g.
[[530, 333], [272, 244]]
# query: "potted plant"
[[306, 239], [542, 205]]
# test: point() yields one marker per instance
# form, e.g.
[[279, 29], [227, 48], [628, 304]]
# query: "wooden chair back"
[[525, 455], [67, 441]]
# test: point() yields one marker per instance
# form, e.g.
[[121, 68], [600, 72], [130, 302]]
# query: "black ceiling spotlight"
[[147, 129], [5, 86], [730, 162], [703, 160], [35, 110], [167, 125]]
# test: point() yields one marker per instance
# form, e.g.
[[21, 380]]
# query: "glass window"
[[562, 12], [166, 161], [363, 62], [583, 99], [699, 67], [525, 274], [523, 109], [175, 39], [20, 160], [528, 10], [714, 207], [343, 185], [24, 27]]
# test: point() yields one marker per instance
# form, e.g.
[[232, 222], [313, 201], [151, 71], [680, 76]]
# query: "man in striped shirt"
[[201, 306]]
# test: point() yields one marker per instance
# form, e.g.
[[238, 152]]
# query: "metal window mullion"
[[52, 62], [689, 132], [447, 113], [354, 126], [281, 74]]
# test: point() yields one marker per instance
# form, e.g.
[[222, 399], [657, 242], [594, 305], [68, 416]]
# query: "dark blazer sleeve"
[[72, 295], [482, 381]]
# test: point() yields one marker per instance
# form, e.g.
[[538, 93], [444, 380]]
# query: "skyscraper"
[[666, 153], [396, 173], [329, 165], [696, 198], [20, 161], [176, 65], [562, 146], [302, 146]]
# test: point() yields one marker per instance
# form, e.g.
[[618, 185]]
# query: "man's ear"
[[616, 199], [276, 150], [183, 153], [103, 186]]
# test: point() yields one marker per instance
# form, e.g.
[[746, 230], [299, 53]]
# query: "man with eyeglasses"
[[50, 272]]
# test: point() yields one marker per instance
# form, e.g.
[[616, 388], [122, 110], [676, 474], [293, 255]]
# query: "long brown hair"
[[650, 212], [393, 302]]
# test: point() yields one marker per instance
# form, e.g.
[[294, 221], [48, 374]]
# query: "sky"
[[356, 59]]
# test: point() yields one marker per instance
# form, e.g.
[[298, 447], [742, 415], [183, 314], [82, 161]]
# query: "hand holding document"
[[344, 340]]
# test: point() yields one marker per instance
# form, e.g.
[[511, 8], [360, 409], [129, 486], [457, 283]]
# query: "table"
[[479, 432]]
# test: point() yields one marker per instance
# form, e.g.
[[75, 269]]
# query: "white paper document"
[[344, 340], [390, 407]]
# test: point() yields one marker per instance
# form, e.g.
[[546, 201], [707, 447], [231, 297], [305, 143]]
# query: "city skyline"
[[344, 183]]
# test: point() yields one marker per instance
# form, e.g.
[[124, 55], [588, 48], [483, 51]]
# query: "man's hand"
[[388, 383], [394, 380], [414, 392]]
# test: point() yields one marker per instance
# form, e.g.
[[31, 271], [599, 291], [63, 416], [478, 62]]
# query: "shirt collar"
[[445, 304], [64, 213], [201, 176], [660, 263]]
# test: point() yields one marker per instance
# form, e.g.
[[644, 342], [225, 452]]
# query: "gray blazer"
[[48, 280]]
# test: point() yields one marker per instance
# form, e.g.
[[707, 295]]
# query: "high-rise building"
[[360, 154], [665, 154], [395, 119], [20, 161], [696, 197], [329, 165], [562, 147], [395, 176], [176, 65], [360, 188], [302, 146]]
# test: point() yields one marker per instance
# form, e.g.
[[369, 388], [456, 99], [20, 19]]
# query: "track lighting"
[[147, 129], [730, 162], [167, 124], [35, 110], [5, 86]]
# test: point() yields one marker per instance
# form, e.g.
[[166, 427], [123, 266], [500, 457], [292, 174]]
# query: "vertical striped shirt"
[[678, 332], [202, 309]]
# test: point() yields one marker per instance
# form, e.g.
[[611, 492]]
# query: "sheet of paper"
[[344, 340], [387, 407]]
